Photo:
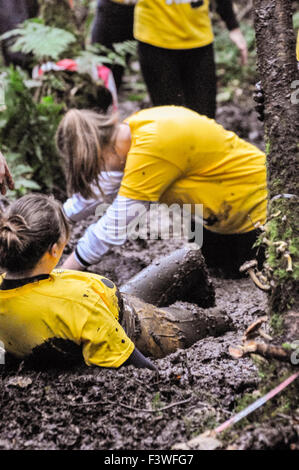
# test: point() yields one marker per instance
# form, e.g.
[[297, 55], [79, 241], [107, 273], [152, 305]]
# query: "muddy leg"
[[179, 276], [158, 332]]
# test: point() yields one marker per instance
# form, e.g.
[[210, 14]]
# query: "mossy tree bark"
[[278, 73]]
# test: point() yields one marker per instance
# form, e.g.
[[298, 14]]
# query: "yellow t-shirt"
[[172, 24], [179, 156], [70, 305]]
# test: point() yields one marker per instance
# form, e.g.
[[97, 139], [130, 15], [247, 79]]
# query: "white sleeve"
[[77, 207], [111, 229]]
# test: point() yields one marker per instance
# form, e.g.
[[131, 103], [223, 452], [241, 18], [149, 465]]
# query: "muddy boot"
[[158, 332], [181, 275]]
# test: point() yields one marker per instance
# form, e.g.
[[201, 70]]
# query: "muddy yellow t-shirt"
[[179, 156], [69, 305], [172, 24]]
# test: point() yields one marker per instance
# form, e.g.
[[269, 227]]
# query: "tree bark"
[[278, 73]]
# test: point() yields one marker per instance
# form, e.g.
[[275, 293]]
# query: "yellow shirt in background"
[[172, 24], [70, 305], [179, 156]]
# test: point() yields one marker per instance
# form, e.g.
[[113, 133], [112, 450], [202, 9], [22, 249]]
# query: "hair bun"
[[13, 223], [12, 234]]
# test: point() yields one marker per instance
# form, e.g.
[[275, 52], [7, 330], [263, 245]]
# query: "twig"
[[142, 410], [158, 409], [265, 350]]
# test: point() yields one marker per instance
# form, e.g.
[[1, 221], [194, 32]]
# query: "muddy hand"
[[5, 176]]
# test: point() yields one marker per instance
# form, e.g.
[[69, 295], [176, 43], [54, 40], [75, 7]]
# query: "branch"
[[142, 410]]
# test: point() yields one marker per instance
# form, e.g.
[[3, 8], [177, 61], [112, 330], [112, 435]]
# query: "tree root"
[[265, 350]]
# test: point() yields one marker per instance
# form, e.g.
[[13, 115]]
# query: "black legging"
[[228, 252], [113, 23], [180, 77], [12, 13]]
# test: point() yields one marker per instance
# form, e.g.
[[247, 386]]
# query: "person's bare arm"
[[6, 180], [239, 40], [226, 11]]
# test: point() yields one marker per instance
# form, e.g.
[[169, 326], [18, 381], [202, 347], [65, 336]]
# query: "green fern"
[[115, 56], [44, 42], [27, 130]]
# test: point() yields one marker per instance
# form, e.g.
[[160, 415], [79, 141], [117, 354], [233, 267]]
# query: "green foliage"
[[34, 107], [296, 20], [27, 130], [278, 232], [157, 403], [115, 56], [276, 323], [91, 7], [139, 92], [43, 42]]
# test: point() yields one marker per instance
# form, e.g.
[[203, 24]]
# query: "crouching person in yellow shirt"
[[166, 154], [45, 313]]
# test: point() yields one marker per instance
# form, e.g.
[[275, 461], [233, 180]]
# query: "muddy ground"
[[90, 408]]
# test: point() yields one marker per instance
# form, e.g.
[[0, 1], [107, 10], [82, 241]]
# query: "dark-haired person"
[[166, 154], [43, 310], [175, 46]]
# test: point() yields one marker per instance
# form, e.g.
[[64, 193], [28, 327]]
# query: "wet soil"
[[91, 408], [86, 408]]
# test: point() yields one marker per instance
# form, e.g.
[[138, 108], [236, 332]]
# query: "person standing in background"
[[113, 23], [13, 13], [175, 47]]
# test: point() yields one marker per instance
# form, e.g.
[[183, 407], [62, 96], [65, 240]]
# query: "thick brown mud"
[[86, 408], [90, 408]]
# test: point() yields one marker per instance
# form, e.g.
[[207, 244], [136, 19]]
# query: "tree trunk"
[[278, 73]]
